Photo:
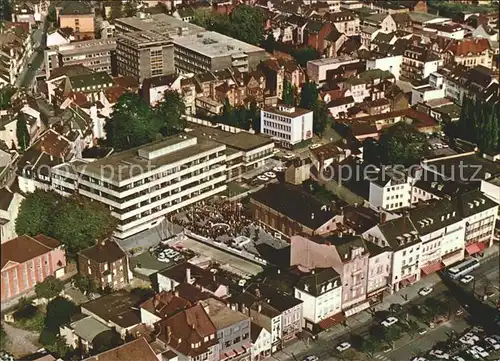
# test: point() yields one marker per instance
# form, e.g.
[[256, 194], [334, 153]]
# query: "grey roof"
[[474, 202], [399, 233], [286, 198], [88, 328], [431, 217], [222, 316], [319, 281], [6, 197]]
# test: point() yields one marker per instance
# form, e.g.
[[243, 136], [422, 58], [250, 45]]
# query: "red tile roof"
[[466, 46], [165, 304], [133, 351], [24, 248]]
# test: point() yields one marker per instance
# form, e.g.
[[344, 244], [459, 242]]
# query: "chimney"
[[188, 275], [257, 293], [169, 334], [383, 217]]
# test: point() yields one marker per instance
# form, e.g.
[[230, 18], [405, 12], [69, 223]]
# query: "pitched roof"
[[75, 8], [24, 248], [85, 81], [466, 46], [474, 202], [431, 217], [186, 328], [222, 315], [69, 70], [284, 199], [399, 233], [199, 276], [132, 351], [319, 281], [103, 252], [165, 304], [280, 302], [119, 307]]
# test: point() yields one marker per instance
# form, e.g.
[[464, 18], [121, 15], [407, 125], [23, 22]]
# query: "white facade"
[[491, 188], [261, 347], [317, 308], [388, 63], [8, 229], [143, 185], [390, 196], [55, 39], [316, 69], [286, 124], [436, 89]]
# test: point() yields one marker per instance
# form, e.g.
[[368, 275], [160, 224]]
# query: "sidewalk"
[[357, 320]]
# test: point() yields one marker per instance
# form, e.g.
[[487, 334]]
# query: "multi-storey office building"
[[97, 55], [144, 54], [142, 185], [286, 124], [210, 51]]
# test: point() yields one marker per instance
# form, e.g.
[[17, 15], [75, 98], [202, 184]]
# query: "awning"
[[357, 309], [473, 248], [482, 245], [229, 353], [431, 268], [331, 321], [452, 258], [239, 350], [408, 281], [377, 291], [247, 346]]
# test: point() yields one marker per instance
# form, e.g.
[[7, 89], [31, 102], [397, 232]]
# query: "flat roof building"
[[144, 54], [209, 51], [144, 184], [96, 54], [316, 69], [286, 124]]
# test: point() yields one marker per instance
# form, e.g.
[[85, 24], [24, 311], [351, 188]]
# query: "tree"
[[402, 144], [254, 116], [106, 341], [49, 288], [36, 212], [67, 32], [75, 221], [116, 10], [59, 312], [302, 56], [269, 43], [288, 94], [59, 347], [308, 95], [6, 94], [170, 113], [130, 8], [370, 346], [132, 124], [227, 116], [372, 154], [321, 116], [85, 284], [247, 24], [22, 133]]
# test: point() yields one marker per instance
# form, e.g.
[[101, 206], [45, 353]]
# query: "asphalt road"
[[325, 349], [27, 76]]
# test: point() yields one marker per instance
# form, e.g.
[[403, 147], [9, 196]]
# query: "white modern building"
[[390, 191], [321, 292], [143, 185], [287, 125], [435, 89], [386, 63], [491, 188], [316, 69]]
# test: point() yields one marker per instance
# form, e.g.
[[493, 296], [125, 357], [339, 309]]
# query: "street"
[[324, 348], [27, 76]]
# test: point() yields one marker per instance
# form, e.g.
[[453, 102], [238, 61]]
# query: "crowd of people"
[[215, 219]]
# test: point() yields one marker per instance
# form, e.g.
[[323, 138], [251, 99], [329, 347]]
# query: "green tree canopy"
[[308, 95], [134, 123], [6, 94], [402, 144], [130, 8], [288, 93], [269, 43], [245, 23], [59, 312], [75, 221], [85, 284], [49, 288], [22, 133], [321, 115], [302, 56], [3, 338]]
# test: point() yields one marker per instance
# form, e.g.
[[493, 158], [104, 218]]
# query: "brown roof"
[[53, 144], [127, 82], [199, 275], [165, 304], [24, 248], [114, 93], [189, 327], [102, 252], [191, 293], [133, 351], [69, 70], [326, 151], [466, 46]]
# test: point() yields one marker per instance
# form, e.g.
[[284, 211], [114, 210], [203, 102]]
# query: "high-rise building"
[[144, 54]]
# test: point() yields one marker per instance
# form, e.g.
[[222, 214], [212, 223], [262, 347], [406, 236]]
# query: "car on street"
[[469, 339], [494, 343], [419, 358], [422, 331], [386, 349], [440, 354], [467, 279], [343, 346], [458, 358], [389, 321], [311, 358], [425, 291]]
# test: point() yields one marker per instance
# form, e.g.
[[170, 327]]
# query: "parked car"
[[389, 321], [311, 358], [467, 279], [386, 349], [480, 351], [493, 342], [440, 354], [422, 331], [425, 291], [458, 358], [343, 346]]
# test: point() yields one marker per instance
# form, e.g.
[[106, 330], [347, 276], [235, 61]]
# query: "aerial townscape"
[[250, 180]]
